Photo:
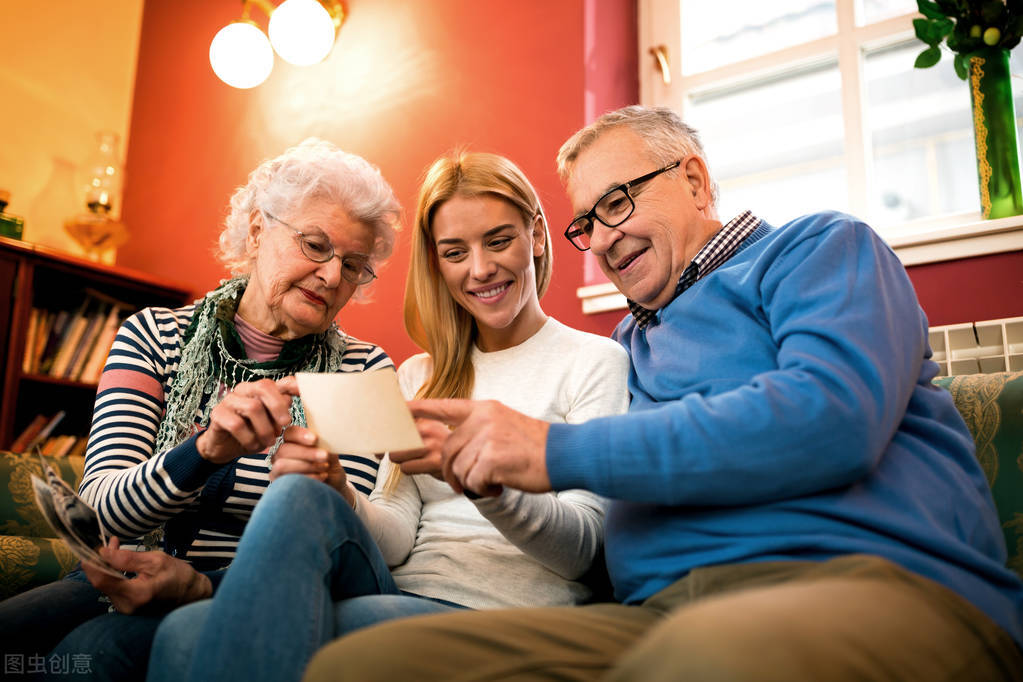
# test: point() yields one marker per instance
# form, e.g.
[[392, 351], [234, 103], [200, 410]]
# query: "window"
[[811, 104]]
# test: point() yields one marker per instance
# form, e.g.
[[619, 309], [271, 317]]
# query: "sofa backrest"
[[992, 405]]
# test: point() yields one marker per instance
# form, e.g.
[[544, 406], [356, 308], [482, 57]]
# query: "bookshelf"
[[42, 283]]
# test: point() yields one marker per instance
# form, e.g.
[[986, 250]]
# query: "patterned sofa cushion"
[[30, 554], [992, 405], [27, 562]]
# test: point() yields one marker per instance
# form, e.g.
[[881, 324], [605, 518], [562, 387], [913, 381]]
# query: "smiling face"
[[290, 296], [485, 253], [645, 255]]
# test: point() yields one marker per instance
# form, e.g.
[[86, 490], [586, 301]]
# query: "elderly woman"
[[188, 406]]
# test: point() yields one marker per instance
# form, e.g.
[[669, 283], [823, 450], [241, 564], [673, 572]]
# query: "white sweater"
[[517, 549]]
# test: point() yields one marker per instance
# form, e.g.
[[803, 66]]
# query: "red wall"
[[971, 289], [406, 82]]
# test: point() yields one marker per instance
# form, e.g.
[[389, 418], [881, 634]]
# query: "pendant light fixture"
[[302, 32]]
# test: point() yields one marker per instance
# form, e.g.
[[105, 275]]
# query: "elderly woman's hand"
[[247, 421], [299, 455], [160, 582]]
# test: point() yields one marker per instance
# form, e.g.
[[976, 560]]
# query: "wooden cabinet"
[[37, 277]]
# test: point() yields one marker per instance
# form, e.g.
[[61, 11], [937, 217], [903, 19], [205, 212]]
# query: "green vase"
[[994, 133]]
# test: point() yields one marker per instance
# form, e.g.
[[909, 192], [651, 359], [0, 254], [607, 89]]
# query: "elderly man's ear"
[[698, 177]]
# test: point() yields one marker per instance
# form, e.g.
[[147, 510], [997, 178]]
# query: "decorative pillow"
[[992, 405]]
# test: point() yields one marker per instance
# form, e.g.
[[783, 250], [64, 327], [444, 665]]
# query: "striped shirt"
[[136, 490]]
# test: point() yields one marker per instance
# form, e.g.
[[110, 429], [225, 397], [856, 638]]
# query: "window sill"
[[952, 242]]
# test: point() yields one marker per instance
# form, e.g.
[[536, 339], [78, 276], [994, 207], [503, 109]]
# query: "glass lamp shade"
[[241, 56], [301, 31]]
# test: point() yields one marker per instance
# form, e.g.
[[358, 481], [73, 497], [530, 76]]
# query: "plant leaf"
[[927, 31], [930, 9], [928, 58], [962, 66]]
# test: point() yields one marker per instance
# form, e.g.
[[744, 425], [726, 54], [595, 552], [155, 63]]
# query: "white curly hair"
[[313, 170]]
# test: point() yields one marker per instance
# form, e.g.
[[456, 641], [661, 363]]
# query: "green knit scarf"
[[212, 357]]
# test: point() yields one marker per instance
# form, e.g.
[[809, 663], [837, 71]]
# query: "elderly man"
[[792, 498]]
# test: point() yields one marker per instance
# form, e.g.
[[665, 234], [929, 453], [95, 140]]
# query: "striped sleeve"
[[132, 488]]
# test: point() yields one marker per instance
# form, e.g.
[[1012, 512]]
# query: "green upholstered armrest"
[[992, 405]]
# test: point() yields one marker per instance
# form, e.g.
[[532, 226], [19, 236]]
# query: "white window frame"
[[921, 241]]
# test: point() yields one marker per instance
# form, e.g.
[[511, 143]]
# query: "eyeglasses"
[[612, 209], [318, 249]]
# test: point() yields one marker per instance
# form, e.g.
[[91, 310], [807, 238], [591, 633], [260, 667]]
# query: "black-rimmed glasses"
[[355, 269], [612, 209]]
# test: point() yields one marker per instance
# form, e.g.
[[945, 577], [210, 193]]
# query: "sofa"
[[991, 404], [30, 553]]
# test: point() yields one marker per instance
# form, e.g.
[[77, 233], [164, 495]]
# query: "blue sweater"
[[782, 409]]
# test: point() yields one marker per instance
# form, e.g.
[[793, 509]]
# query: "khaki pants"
[[853, 618]]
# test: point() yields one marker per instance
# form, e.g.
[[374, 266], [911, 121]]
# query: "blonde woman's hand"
[[247, 421], [490, 445], [299, 455], [428, 459]]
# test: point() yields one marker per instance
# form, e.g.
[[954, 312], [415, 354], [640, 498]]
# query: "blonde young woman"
[[480, 262]]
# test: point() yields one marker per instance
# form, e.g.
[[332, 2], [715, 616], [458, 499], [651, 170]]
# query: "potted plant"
[[981, 33]]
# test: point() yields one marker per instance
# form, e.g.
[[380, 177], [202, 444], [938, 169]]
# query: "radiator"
[[978, 347]]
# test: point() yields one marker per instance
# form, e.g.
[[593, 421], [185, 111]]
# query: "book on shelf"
[[58, 446], [79, 448], [73, 338], [53, 341], [37, 432], [34, 318], [89, 337], [98, 354], [47, 429], [46, 319], [20, 444]]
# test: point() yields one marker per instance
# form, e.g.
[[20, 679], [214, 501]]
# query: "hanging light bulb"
[[302, 31], [240, 55]]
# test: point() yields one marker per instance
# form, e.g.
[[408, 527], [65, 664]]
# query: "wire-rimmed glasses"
[[317, 248]]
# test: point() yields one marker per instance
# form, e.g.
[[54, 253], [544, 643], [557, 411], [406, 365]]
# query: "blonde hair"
[[433, 319]]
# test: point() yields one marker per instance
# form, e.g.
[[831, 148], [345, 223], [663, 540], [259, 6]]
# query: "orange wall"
[[66, 72], [406, 82]]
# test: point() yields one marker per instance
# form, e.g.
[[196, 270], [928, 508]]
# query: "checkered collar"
[[716, 251]]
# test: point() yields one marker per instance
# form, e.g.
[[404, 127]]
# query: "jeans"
[[303, 550], [69, 630], [178, 636], [33, 622]]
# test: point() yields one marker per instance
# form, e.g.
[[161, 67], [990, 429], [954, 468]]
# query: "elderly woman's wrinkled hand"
[[299, 455], [161, 582], [428, 459], [247, 421]]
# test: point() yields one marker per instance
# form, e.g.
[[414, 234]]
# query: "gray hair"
[[312, 170], [666, 136]]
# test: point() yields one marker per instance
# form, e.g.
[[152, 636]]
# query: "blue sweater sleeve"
[[850, 341]]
